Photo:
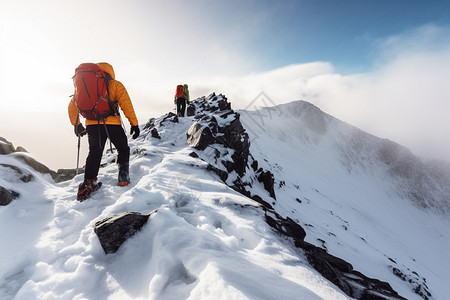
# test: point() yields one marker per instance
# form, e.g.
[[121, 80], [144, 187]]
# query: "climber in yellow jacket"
[[98, 131]]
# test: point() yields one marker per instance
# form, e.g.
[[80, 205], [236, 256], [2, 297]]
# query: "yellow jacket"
[[117, 92]]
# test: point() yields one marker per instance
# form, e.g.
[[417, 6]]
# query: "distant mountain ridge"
[[425, 182], [330, 177]]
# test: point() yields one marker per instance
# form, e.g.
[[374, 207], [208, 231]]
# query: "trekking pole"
[[79, 137], [78, 154]]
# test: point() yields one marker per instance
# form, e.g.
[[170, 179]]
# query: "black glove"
[[79, 130], [135, 131]]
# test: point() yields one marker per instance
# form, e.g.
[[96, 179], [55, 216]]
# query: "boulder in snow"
[[199, 137], [155, 133], [114, 231], [6, 196]]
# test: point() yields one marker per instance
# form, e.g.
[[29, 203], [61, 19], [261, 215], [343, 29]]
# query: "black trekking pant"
[[181, 107], [97, 139]]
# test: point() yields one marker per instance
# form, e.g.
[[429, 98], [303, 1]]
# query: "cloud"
[[405, 99]]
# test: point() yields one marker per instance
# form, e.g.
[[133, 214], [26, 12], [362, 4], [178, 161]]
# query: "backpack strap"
[[112, 104]]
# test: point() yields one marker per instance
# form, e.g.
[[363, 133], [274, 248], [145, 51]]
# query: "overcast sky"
[[382, 66]]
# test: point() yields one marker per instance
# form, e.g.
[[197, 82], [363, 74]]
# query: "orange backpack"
[[180, 91], [91, 92]]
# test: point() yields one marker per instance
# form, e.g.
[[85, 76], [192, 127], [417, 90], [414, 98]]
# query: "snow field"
[[205, 241], [346, 203]]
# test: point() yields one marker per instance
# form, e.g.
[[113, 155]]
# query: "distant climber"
[[181, 98], [99, 79]]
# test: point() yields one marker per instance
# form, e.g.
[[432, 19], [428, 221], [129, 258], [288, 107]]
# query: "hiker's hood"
[[107, 68]]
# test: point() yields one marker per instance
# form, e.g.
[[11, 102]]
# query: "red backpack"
[[91, 92], [180, 91]]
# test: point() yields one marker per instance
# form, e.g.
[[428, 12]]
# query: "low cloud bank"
[[405, 99]]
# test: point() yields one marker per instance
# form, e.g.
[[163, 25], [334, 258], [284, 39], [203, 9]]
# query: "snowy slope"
[[208, 241], [366, 200], [205, 242]]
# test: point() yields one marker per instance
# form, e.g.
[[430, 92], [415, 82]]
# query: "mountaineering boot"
[[86, 188], [124, 174]]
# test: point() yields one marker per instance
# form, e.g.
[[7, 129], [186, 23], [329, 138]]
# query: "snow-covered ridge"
[[358, 196], [205, 242], [210, 238], [426, 183], [223, 144]]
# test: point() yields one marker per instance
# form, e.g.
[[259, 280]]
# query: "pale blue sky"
[[361, 61]]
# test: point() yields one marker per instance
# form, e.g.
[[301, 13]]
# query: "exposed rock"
[[190, 110], [268, 180], [261, 201], [237, 139], [21, 149], [150, 124], [66, 174], [224, 104], [222, 174], [155, 133], [214, 112], [418, 283], [199, 137], [285, 226], [254, 165], [6, 196], [39, 167], [20, 153], [21, 174], [114, 231], [6, 147], [338, 271], [170, 116], [193, 154]]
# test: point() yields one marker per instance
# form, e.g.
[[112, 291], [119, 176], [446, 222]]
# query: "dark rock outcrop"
[[199, 137], [219, 124], [114, 231], [6, 147], [285, 226], [6, 196], [268, 180], [66, 174], [336, 270], [235, 137], [221, 173], [419, 283], [155, 134], [169, 116], [190, 110]]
